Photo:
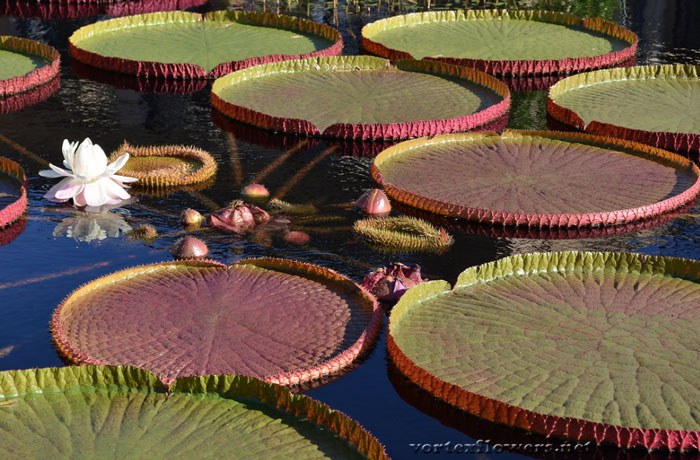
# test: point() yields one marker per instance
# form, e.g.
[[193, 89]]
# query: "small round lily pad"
[[655, 105], [282, 321], [110, 412], [24, 64], [13, 192], [536, 178], [598, 347], [361, 97], [191, 45], [166, 166], [501, 42]]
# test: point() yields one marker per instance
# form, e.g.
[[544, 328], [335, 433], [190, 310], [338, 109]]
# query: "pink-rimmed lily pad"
[[72, 9], [25, 64], [361, 97], [191, 45], [13, 192], [536, 178], [30, 97], [110, 412], [654, 105], [502, 42], [588, 346], [283, 321]]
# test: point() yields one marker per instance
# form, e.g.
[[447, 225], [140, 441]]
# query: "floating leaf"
[[655, 105], [596, 347], [190, 45], [502, 42], [122, 412], [283, 321], [536, 178], [13, 192], [25, 64], [361, 97], [166, 165]]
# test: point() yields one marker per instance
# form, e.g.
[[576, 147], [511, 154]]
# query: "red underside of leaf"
[[682, 142], [37, 76], [140, 84], [29, 98], [14, 210]]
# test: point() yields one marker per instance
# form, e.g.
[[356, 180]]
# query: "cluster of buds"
[[389, 283]]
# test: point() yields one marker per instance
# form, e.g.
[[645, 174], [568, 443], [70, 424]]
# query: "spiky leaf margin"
[[686, 142], [17, 383], [37, 76], [500, 412], [150, 69], [14, 210], [509, 67], [488, 216], [313, 272], [156, 179], [356, 130], [403, 234]]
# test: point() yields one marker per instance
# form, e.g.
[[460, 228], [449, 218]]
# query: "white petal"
[[63, 185], [50, 174], [90, 160], [69, 190], [118, 164], [126, 179], [94, 194], [79, 199], [114, 190], [57, 172], [69, 153]]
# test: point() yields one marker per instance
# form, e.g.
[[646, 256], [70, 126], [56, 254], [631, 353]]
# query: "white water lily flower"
[[88, 179]]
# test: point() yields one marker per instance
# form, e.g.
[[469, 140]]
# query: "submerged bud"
[[189, 247], [374, 202], [296, 237], [191, 218], [146, 232], [256, 193]]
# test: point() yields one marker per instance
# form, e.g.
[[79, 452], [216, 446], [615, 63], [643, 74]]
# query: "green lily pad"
[[656, 105], [361, 97], [105, 413], [502, 42], [589, 346], [24, 64], [190, 45]]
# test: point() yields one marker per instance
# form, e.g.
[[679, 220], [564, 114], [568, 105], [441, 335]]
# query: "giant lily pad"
[[24, 64], [589, 346], [122, 412], [655, 105], [502, 42], [190, 45], [13, 192], [282, 321], [361, 97], [533, 178]]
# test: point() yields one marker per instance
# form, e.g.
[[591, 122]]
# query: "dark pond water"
[[61, 248]]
